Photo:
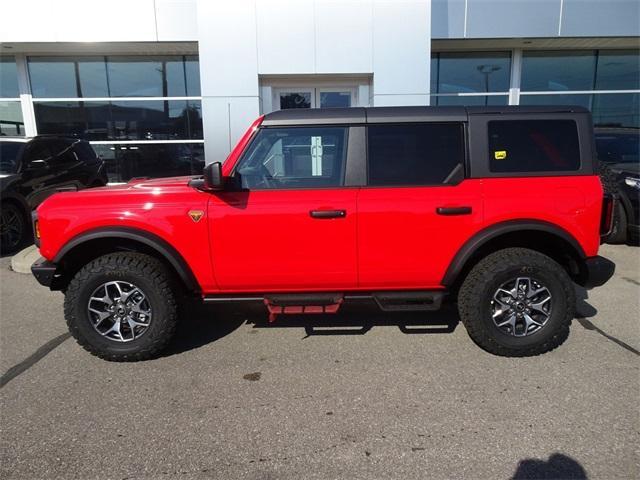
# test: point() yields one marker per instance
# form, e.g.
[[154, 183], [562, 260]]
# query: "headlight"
[[633, 182]]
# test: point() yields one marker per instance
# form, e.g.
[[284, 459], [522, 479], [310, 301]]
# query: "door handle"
[[328, 213], [453, 210]]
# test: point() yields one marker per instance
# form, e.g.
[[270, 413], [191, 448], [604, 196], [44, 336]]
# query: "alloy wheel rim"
[[10, 227], [521, 306], [119, 311]]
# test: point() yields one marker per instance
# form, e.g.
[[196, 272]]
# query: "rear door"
[[290, 222], [417, 209]]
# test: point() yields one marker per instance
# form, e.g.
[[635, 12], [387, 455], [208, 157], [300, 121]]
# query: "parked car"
[[32, 169], [499, 208], [619, 154]]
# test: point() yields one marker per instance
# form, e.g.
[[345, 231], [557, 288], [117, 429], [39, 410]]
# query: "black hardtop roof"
[[359, 115]]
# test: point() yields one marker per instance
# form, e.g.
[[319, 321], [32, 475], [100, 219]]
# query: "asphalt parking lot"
[[376, 396]]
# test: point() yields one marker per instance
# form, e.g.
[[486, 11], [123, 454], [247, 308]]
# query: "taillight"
[[606, 222]]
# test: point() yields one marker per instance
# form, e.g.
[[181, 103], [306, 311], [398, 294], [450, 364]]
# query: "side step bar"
[[305, 303]]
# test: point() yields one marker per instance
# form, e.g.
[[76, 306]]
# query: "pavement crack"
[[631, 280], [32, 359], [590, 326]]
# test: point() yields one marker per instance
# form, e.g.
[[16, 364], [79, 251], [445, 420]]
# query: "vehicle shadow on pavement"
[[558, 466]]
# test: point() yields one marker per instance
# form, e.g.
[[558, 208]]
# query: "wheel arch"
[[537, 235], [94, 243]]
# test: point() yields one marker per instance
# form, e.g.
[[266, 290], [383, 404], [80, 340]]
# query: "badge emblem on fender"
[[196, 215]]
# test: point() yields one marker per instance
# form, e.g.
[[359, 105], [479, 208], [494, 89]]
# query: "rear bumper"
[[597, 271], [44, 271]]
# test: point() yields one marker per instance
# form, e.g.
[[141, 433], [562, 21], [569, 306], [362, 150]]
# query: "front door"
[[289, 223]]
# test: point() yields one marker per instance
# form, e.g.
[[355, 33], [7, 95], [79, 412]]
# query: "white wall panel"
[[344, 36], [286, 38], [177, 20], [401, 48], [227, 46]]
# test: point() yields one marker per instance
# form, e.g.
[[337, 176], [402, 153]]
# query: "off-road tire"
[[619, 228], [476, 293], [144, 271], [21, 222]]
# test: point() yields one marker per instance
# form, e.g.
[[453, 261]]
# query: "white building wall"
[[241, 41]]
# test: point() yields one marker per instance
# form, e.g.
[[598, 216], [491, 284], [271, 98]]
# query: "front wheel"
[[517, 302], [122, 307], [14, 231]]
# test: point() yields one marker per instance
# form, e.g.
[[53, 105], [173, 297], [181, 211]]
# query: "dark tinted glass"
[[9, 156], [533, 146], [8, 78], [124, 162], [558, 70], [616, 146], [304, 157], [474, 101], [408, 154], [295, 100], [114, 76], [130, 120], [618, 70], [471, 72]]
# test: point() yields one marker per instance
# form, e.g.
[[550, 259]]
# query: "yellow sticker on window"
[[500, 154]]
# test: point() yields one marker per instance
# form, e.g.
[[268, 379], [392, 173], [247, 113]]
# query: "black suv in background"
[[619, 155], [31, 169]]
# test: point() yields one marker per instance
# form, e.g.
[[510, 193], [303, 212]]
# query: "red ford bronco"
[[498, 208]]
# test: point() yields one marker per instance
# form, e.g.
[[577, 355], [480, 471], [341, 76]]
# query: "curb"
[[21, 262]]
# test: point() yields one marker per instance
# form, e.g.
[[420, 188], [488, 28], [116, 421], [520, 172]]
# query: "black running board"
[[408, 301]]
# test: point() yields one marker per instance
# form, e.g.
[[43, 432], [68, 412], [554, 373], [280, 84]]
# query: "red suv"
[[499, 208]]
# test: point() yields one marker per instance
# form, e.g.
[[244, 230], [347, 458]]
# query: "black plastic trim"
[[494, 231], [149, 239], [44, 271], [597, 271]]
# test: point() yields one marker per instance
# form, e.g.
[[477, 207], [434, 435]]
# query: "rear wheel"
[[122, 307], [14, 231], [517, 302]]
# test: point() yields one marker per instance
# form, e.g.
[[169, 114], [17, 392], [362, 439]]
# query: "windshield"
[[9, 154], [618, 147]]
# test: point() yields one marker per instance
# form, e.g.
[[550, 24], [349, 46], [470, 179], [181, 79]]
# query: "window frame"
[[455, 180], [348, 176], [479, 165]]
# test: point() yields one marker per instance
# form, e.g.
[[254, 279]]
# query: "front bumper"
[[596, 271], [44, 271]]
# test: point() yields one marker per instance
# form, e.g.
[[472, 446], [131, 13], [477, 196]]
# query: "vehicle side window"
[[300, 157], [414, 154], [63, 153], [37, 150], [84, 152], [533, 146]]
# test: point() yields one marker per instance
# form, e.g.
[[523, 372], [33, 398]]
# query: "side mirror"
[[213, 179]]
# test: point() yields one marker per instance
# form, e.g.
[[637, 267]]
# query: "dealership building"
[[158, 86]]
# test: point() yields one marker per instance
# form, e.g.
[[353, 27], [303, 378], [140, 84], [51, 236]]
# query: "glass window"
[[335, 99], [413, 154], [295, 100], [11, 122], [533, 146], [8, 78], [303, 157], [558, 70], [612, 109], [458, 72], [53, 77], [117, 76], [92, 73], [474, 101], [616, 145], [618, 70], [124, 162], [123, 120]]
